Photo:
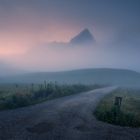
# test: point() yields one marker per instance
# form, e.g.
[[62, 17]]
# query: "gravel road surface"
[[66, 118]]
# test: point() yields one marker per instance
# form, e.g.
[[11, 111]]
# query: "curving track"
[[67, 118]]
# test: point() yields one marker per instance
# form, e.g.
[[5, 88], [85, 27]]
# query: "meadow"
[[128, 114], [20, 95]]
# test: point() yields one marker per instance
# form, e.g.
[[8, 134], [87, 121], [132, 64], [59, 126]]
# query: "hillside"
[[85, 76]]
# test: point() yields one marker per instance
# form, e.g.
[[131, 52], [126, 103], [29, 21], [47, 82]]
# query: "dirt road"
[[67, 118]]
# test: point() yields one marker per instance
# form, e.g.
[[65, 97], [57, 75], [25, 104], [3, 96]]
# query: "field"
[[129, 112], [19, 95]]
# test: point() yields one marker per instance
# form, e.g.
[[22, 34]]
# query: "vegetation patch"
[[14, 96], [127, 114]]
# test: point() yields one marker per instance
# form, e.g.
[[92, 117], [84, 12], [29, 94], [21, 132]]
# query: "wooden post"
[[118, 101], [32, 87], [117, 105], [16, 86], [45, 84]]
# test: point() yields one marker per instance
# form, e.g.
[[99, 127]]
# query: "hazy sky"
[[25, 25]]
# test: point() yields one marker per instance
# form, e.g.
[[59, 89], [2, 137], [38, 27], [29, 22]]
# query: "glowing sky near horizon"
[[25, 25]]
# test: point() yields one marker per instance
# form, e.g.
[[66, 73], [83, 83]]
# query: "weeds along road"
[[66, 118]]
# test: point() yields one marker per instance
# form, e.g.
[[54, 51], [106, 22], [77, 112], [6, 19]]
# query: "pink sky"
[[27, 25]]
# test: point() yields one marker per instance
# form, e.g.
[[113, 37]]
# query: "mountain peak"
[[83, 37], [86, 30]]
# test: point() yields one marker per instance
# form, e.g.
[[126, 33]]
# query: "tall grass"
[[24, 95], [127, 115]]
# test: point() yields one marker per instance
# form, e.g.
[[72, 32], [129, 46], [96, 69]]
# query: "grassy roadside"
[[20, 95], [129, 113]]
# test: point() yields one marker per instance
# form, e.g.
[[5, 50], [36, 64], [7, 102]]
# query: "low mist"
[[66, 56]]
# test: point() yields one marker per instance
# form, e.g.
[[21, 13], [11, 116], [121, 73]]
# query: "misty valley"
[[80, 101], [69, 70]]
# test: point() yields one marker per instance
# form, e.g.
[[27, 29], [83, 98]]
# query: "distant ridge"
[[107, 76], [83, 37]]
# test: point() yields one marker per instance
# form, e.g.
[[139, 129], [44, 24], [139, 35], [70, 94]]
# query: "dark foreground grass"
[[21, 96], [127, 115]]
